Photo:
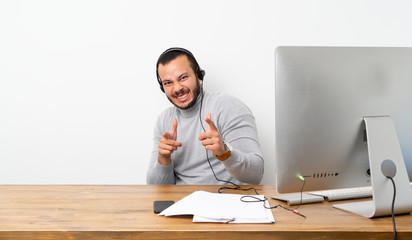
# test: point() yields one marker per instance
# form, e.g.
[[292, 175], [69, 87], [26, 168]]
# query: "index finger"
[[210, 124], [173, 133]]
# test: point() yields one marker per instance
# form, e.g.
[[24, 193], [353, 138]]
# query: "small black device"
[[159, 206]]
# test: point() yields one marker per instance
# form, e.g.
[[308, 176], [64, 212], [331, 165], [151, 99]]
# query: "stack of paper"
[[220, 207]]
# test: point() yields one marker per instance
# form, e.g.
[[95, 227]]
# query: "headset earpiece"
[[201, 74]]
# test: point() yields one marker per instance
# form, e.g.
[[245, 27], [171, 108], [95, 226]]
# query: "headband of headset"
[[200, 73]]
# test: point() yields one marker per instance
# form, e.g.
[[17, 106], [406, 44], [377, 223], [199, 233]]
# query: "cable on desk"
[[256, 199], [236, 186]]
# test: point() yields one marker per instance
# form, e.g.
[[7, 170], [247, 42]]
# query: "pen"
[[295, 211]]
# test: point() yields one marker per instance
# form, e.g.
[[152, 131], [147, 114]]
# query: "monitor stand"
[[385, 159]]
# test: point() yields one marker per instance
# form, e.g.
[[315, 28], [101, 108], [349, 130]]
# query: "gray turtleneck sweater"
[[236, 126]]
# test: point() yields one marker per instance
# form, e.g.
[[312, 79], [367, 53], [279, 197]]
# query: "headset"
[[200, 73]]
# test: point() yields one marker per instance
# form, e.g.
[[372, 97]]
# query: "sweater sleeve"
[[237, 127], [158, 174]]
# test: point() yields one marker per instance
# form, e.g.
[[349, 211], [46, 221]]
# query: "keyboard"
[[345, 193]]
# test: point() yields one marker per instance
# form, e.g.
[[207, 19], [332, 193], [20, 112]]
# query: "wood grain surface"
[[126, 212]]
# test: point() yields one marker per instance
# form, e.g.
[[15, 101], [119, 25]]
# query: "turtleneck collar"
[[192, 110]]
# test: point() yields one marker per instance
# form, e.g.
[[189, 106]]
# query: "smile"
[[183, 97]]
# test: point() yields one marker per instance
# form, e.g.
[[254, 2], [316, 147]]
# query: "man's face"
[[180, 83]]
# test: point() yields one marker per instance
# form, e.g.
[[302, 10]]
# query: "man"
[[206, 138]]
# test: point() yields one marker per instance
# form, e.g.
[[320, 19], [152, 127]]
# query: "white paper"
[[220, 207]]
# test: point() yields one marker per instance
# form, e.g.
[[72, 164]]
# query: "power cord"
[[393, 207]]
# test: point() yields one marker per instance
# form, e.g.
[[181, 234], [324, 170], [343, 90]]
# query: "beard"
[[196, 93]]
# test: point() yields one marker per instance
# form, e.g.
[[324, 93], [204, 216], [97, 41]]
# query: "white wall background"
[[78, 94]]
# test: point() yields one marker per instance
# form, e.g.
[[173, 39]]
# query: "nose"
[[176, 86]]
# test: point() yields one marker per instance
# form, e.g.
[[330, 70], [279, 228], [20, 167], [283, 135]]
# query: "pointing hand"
[[168, 145], [211, 138]]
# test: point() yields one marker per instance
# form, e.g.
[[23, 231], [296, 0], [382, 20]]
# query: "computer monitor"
[[339, 113]]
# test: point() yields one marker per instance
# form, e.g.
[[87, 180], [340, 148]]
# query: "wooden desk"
[[126, 212]]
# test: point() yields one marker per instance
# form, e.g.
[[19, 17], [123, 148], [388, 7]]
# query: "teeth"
[[182, 96]]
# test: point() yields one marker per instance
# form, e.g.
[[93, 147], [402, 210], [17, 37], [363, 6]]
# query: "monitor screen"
[[322, 96]]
